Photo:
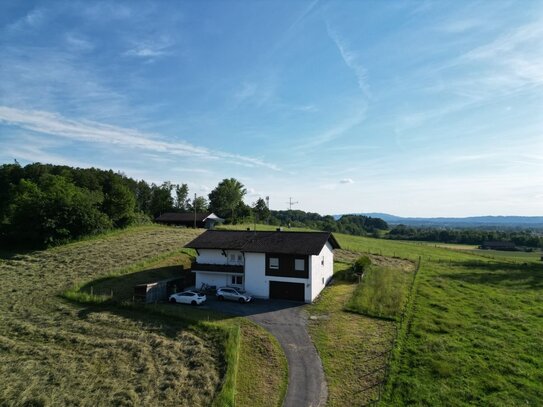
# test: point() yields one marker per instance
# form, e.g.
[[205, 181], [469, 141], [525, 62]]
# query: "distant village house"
[[206, 220]]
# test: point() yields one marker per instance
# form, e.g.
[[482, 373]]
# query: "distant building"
[[495, 245], [206, 220]]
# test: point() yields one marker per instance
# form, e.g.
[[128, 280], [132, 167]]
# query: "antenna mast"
[[291, 202]]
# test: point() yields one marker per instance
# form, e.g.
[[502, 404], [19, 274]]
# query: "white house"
[[280, 265]]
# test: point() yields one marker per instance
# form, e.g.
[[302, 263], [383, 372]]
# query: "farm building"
[[281, 265], [491, 245], [206, 220]]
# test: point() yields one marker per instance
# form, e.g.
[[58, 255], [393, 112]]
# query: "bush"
[[361, 265]]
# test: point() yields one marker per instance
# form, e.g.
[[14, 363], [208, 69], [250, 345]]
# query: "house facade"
[[277, 265]]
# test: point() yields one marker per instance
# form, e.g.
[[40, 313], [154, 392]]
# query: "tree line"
[[523, 238], [44, 204]]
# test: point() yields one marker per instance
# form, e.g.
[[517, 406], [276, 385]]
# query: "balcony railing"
[[217, 268]]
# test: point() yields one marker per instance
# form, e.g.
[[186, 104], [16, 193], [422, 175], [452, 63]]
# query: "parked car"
[[188, 297], [234, 294]]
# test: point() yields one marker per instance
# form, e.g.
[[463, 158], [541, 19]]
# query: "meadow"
[[472, 332], [467, 330], [54, 351]]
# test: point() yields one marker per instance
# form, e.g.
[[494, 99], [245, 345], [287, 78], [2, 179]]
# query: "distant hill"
[[472, 221]]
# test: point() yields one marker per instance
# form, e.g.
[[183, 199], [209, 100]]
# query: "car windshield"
[[241, 291]]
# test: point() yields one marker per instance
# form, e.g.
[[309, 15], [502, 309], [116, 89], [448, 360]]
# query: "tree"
[[161, 199], [226, 197], [181, 195], [362, 264], [261, 210], [119, 203], [199, 204]]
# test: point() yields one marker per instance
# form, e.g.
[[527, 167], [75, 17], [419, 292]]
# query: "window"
[[322, 261], [237, 280], [299, 264], [323, 280], [239, 257], [232, 257], [274, 262]]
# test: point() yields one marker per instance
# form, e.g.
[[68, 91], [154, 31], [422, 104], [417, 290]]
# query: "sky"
[[415, 108]]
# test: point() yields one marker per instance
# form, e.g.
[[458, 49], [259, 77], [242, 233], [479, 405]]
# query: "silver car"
[[234, 294]]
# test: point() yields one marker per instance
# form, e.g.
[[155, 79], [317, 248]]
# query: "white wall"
[[255, 275], [218, 280], [257, 283], [320, 273], [210, 256]]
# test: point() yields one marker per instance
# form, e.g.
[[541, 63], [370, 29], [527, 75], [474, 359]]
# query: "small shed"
[[158, 290]]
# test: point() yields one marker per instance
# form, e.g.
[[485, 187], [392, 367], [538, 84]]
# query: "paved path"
[[287, 321]]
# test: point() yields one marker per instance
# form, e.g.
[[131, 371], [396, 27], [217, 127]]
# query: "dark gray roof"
[[303, 243], [182, 217]]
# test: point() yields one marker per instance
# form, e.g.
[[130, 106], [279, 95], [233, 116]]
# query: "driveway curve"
[[287, 321]]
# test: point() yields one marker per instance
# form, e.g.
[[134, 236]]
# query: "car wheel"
[[220, 298], [193, 302], [241, 300], [173, 301]]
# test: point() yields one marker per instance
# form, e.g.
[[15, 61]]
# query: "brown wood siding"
[[286, 266]]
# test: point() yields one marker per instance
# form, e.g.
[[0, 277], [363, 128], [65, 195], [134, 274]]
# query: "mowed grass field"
[[473, 333], [57, 352]]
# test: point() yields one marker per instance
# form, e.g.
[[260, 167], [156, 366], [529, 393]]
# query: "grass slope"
[[54, 352], [473, 330]]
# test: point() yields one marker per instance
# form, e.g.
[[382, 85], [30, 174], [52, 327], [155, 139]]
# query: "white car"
[[188, 297], [231, 293]]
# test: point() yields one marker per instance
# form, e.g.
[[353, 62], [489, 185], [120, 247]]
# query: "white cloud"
[[90, 131], [346, 181]]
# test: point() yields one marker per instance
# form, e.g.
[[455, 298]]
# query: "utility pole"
[[290, 203], [269, 213], [194, 206]]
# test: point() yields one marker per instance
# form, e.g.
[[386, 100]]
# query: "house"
[[278, 265], [206, 220], [497, 245]]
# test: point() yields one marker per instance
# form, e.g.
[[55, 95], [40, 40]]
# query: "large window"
[[299, 264], [237, 280], [274, 262]]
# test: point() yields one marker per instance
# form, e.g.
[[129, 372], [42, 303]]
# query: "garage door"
[[287, 291]]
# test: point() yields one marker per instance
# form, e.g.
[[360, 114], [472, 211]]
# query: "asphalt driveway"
[[287, 321]]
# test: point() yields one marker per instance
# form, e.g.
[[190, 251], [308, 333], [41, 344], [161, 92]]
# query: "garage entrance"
[[280, 290]]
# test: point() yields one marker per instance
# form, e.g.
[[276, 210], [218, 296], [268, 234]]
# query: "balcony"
[[217, 268]]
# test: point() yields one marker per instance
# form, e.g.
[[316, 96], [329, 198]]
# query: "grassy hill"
[[59, 352]]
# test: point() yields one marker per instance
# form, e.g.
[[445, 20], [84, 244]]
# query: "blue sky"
[[413, 108]]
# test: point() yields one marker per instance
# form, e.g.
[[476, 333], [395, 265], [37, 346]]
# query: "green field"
[[58, 352], [473, 329], [471, 332]]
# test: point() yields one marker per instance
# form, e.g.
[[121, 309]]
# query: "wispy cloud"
[[90, 131], [351, 58], [152, 48]]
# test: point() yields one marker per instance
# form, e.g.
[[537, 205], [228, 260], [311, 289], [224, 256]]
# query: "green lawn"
[[473, 334], [353, 348]]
